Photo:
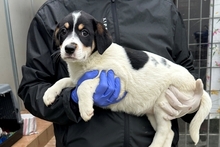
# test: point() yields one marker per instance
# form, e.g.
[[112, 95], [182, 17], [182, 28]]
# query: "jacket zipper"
[[126, 131], [115, 20], [117, 40]]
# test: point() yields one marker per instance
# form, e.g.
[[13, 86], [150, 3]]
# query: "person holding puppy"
[[152, 25]]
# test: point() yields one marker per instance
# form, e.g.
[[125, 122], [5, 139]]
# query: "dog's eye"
[[85, 33], [63, 31]]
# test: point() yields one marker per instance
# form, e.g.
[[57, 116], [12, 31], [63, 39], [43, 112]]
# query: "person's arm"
[[180, 51], [39, 74]]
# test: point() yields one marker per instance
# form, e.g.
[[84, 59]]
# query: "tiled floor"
[[51, 143]]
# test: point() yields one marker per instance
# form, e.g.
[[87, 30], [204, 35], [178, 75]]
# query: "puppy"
[[86, 45]]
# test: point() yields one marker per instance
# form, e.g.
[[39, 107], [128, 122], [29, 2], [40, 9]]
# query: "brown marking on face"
[[56, 31], [67, 25], [100, 28], [57, 42], [93, 45], [81, 26]]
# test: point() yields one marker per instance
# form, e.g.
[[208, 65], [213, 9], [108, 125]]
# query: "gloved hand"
[[106, 93], [179, 104], [88, 75]]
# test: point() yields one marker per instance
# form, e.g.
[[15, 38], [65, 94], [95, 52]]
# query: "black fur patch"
[[164, 62], [63, 32], [137, 58], [154, 61], [87, 21]]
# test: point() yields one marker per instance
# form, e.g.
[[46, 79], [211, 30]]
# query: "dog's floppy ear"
[[102, 38], [56, 38]]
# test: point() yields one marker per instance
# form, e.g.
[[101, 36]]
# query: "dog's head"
[[79, 35]]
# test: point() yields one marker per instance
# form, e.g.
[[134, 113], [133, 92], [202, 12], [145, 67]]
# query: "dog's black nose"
[[70, 48]]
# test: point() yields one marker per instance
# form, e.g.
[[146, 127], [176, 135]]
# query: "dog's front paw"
[[86, 113], [50, 95]]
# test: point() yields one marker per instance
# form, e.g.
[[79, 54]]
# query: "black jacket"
[[152, 25]]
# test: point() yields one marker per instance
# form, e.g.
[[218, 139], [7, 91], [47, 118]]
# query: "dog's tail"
[[201, 114]]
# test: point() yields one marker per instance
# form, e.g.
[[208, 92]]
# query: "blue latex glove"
[[88, 75], [106, 93]]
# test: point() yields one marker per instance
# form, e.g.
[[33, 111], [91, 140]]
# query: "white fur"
[[145, 88]]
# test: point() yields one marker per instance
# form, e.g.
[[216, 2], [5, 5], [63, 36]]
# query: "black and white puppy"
[[86, 45]]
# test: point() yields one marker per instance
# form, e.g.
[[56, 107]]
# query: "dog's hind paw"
[[50, 95], [87, 114]]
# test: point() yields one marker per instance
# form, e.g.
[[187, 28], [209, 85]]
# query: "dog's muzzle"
[[70, 48]]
